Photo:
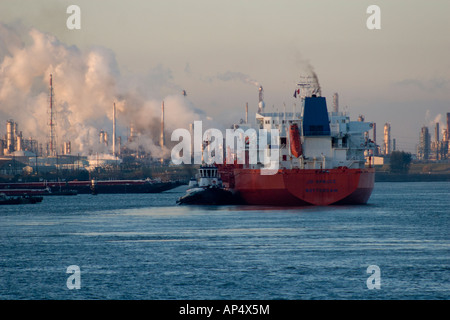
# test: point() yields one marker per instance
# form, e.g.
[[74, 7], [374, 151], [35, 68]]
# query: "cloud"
[[432, 84], [237, 76]]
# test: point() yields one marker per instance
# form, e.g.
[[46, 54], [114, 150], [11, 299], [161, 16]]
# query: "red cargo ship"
[[298, 187], [322, 157]]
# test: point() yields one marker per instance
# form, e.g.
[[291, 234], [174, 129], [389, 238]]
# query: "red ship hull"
[[295, 187]]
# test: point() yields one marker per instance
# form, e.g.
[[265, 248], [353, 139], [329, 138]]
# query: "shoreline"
[[410, 177]]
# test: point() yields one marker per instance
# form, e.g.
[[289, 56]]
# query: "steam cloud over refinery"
[[86, 87]]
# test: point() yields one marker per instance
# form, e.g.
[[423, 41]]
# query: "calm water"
[[145, 247]]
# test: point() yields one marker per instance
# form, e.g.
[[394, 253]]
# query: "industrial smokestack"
[[335, 102], [10, 139], [103, 137], [246, 112], [67, 148], [119, 144], [51, 123], [19, 141], [261, 103], [161, 142], [448, 126], [436, 132], [387, 139], [114, 131], [132, 135]]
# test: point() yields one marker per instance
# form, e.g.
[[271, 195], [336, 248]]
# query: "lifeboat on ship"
[[296, 144]]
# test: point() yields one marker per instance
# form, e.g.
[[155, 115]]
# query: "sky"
[[220, 51]]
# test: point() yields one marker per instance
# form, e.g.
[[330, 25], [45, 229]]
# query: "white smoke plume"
[[239, 76], [307, 71], [86, 84], [431, 122]]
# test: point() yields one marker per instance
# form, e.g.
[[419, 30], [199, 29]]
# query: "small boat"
[[31, 199], [60, 192], [24, 192], [207, 189], [25, 199]]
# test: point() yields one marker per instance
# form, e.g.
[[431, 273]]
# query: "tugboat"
[[207, 189]]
